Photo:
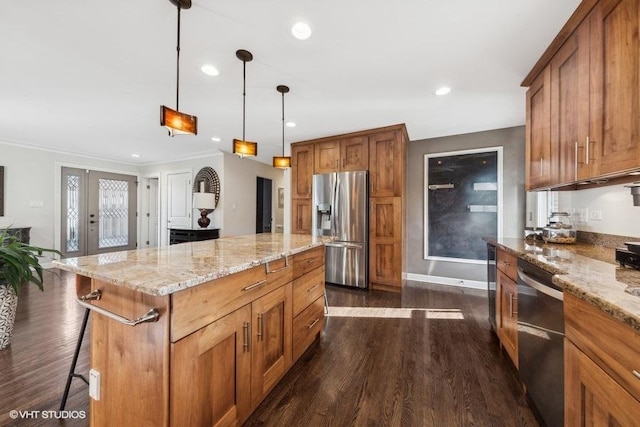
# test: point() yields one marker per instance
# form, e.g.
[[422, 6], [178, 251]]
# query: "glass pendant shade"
[[178, 123], [245, 148], [282, 162]]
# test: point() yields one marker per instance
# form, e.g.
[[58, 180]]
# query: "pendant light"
[[176, 122], [242, 147], [282, 162]]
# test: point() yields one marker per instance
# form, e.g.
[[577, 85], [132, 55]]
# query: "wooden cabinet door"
[[271, 340], [301, 216], [385, 241], [210, 373], [507, 321], [354, 154], [615, 83], [386, 164], [592, 397], [538, 132], [301, 170], [327, 156], [570, 108]]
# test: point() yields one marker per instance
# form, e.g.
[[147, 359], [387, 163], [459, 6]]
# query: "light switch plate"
[[94, 384]]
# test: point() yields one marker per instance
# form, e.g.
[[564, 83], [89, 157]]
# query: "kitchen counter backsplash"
[[586, 270], [606, 240]]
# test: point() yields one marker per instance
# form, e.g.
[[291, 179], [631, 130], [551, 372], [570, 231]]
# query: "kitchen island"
[[197, 333]]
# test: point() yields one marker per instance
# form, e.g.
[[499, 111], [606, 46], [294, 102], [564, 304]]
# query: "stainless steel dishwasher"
[[540, 341]]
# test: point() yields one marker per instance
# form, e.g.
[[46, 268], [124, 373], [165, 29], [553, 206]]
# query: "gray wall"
[[513, 142]]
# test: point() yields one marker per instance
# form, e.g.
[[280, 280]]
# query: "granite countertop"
[[587, 271], [168, 269]]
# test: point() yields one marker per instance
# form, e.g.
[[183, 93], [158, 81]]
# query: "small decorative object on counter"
[[533, 234], [560, 229]]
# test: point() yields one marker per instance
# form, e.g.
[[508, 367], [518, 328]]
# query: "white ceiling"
[[89, 76]]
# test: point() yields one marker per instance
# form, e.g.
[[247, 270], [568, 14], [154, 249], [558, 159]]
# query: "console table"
[[21, 233], [181, 235]]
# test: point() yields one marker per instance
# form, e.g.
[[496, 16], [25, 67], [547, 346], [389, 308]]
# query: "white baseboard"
[[464, 283]]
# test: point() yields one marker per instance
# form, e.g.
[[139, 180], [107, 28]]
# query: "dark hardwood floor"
[[425, 357], [35, 366]]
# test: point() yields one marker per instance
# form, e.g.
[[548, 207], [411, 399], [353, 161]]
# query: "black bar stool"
[[72, 370]]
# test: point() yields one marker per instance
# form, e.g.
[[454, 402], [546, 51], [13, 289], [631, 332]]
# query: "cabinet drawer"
[[307, 289], [306, 326], [507, 263], [613, 345], [196, 307], [306, 261]]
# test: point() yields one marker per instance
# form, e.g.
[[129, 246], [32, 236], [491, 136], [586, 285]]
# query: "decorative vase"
[[8, 306]]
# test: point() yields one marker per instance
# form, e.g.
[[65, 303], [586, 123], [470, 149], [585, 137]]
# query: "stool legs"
[[72, 373]]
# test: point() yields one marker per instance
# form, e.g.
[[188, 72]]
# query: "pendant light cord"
[[282, 124], [244, 95], [178, 62]]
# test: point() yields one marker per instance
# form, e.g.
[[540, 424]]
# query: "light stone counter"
[[165, 270], [587, 271]]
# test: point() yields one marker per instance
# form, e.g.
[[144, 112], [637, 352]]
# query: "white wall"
[[612, 203], [33, 175], [215, 161], [239, 193]]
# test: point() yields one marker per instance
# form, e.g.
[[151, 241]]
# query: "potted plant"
[[19, 264]]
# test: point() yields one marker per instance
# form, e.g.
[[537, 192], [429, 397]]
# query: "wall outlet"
[[595, 214], [94, 384], [36, 204], [581, 215]]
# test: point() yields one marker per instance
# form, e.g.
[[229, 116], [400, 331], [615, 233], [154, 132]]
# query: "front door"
[[98, 212]]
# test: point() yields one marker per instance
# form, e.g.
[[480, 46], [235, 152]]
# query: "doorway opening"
[[264, 205]]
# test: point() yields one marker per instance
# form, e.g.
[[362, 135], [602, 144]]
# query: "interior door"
[[179, 200], [99, 212]]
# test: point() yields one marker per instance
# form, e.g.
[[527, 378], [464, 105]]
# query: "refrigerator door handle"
[[334, 206]]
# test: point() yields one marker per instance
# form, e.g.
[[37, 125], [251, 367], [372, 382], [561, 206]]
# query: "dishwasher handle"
[[540, 287]]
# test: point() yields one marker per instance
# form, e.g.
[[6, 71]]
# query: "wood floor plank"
[[417, 370]]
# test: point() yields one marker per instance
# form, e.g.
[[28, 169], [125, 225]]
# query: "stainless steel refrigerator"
[[341, 210]]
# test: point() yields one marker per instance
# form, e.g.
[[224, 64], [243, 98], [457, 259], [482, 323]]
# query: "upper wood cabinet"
[[383, 153], [538, 132], [615, 85], [594, 98], [386, 163], [570, 109], [350, 154], [301, 171]]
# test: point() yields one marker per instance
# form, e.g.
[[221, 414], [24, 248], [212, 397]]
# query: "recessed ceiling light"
[[216, 139], [443, 90], [209, 70], [291, 124], [136, 156], [301, 30]]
